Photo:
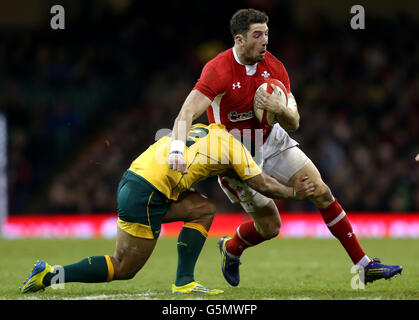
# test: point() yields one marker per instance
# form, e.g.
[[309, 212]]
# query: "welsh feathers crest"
[[265, 74]]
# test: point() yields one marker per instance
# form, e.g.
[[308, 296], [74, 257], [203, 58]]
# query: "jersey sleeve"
[[211, 81]]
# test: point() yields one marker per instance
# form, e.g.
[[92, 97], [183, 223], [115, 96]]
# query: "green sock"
[[89, 270], [189, 245]]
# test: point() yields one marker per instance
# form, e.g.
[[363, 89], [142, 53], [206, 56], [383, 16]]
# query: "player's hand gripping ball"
[[265, 116]]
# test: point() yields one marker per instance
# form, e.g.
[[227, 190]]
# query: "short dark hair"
[[240, 21]]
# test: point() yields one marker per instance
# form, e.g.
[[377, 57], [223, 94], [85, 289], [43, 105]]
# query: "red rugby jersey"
[[231, 87]]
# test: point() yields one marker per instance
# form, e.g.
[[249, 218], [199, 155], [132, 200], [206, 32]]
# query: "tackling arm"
[[271, 188]]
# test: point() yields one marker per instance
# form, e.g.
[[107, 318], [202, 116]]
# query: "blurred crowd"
[[83, 103]]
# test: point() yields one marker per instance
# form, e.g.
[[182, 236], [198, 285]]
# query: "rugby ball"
[[266, 117]]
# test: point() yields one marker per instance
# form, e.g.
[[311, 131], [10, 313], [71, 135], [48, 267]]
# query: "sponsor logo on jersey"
[[234, 116]]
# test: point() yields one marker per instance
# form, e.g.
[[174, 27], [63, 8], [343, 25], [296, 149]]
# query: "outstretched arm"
[[271, 188], [193, 107]]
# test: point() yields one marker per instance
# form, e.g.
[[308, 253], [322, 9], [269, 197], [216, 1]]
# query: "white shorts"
[[280, 159]]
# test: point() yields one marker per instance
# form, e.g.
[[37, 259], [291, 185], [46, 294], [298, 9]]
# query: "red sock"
[[246, 236], [338, 223]]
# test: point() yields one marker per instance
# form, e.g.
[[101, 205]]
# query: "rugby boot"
[[194, 287], [229, 265], [34, 281], [375, 270]]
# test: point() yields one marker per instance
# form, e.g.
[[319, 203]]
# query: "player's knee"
[[202, 212], [209, 208], [203, 208], [322, 195]]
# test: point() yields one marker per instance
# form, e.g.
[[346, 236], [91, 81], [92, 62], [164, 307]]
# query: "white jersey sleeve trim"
[[215, 105]]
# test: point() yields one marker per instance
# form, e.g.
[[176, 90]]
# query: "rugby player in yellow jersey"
[[150, 193]]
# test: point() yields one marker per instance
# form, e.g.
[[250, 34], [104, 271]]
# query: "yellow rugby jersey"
[[210, 150]]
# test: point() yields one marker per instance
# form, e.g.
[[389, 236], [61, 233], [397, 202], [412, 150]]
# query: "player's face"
[[255, 42]]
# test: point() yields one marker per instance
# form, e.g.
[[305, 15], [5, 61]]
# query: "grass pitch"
[[280, 269]]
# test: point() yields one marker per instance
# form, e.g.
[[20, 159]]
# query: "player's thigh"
[[131, 253], [140, 207], [191, 207], [284, 165]]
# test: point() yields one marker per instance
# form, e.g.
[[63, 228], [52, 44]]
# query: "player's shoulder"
[[217, 72], [221, 62], [225, 56]]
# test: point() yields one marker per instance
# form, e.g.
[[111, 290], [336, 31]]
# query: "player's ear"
[[239, 39]]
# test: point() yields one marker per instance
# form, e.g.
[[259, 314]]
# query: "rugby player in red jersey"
[[226, 91]]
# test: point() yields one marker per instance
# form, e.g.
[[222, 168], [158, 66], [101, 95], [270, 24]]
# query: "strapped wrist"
[[177, 147]]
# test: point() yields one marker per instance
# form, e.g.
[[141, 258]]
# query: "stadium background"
[[83, 102]]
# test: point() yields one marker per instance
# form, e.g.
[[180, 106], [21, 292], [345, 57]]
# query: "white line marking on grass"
[[146, 295], [300, 298], [118, 296]]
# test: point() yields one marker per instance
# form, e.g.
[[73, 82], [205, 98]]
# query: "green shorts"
[[141, 207]]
